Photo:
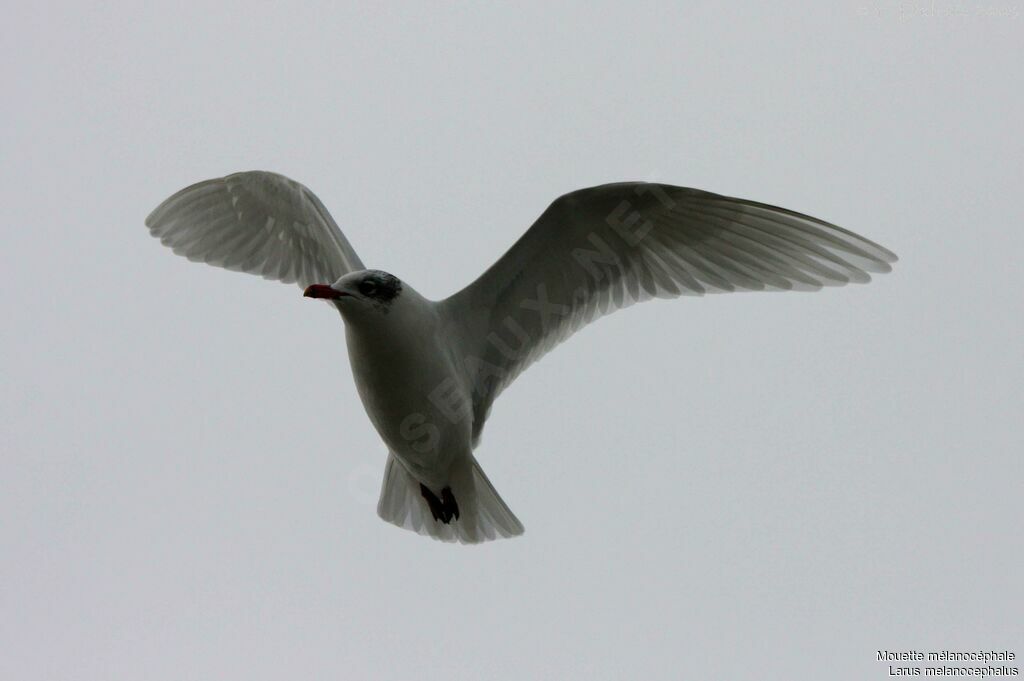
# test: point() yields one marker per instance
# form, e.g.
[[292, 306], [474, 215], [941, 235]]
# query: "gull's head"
[[366, 291]]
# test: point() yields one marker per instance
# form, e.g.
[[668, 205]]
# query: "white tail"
[[482, 513]]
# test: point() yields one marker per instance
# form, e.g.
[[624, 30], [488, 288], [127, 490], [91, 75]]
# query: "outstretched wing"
[[600, 249], [257, 222]]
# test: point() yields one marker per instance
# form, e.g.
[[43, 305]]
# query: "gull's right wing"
[[256, 222]]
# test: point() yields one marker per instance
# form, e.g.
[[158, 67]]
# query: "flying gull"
[[428, 371]]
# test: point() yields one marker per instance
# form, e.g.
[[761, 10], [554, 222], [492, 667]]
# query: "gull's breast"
[[412, 396]]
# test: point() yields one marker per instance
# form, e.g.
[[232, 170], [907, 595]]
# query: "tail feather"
[[483, 515]]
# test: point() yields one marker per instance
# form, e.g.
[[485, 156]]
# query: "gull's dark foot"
[[436, 507], [443, 509], [450, 505]]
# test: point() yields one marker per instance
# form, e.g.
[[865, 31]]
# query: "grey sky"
[[742, 486]]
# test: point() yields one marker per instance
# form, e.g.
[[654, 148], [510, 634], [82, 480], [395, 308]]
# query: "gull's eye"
[[367, 288]]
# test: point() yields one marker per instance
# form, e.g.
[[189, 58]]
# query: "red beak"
[[322, 291]]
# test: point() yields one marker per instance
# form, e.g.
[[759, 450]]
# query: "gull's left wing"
[[597, 250]]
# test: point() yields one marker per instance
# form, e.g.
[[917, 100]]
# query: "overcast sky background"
[[755, 486]]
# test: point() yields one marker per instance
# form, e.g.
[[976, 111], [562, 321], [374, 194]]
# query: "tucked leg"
[[436, 506], [451, 507]]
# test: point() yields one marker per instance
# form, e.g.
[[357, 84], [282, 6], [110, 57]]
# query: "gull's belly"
[[414, 402]]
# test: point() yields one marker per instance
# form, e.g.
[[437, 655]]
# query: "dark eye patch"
[[380, 286]]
